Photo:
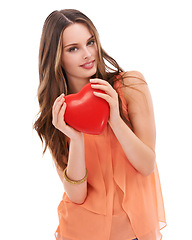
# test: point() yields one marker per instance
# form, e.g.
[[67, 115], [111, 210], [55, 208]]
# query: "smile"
[[88, 65]]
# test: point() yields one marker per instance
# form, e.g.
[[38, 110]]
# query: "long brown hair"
[[53, 79]]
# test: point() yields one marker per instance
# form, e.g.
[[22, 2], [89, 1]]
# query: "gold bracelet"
[[74, 181]]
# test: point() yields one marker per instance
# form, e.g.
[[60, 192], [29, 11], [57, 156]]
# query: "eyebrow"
[[74, 44]]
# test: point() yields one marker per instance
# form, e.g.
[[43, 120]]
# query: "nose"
[[86, 53]]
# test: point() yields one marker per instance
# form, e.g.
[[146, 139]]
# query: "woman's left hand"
[[110, 95]]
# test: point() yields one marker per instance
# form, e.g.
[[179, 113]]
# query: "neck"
[[75, 85]]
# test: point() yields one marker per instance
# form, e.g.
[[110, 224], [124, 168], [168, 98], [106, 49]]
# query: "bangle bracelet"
[[74, 181]]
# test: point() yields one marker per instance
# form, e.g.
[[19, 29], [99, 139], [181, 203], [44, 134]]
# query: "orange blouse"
[[121, 203]]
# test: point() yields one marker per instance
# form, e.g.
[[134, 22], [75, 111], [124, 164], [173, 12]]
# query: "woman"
[[120, 198]]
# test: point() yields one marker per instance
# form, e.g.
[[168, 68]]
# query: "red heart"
[[85, 112]]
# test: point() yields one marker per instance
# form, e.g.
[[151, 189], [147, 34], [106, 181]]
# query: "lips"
[[88, 65]]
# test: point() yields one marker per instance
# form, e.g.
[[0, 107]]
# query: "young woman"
[[111, 182]]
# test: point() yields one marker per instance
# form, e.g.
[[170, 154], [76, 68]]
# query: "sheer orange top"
[[121, 203]]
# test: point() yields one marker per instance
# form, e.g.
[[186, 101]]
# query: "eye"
[[91, 42], [72, 49]]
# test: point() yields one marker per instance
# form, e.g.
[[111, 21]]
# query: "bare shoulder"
[[133, 77], [135, 88], [135, 80], [140, 106]]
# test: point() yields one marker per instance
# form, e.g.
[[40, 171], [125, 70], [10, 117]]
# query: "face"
[[79, 56]]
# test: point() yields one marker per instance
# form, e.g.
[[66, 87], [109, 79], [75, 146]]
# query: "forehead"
[[75, 33]]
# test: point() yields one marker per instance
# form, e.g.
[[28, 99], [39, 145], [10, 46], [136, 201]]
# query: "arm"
[[139, 144], [76, 168]]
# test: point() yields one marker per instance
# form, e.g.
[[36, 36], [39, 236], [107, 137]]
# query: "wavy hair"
[[53, 80]]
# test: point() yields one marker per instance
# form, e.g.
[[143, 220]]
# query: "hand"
[[58, 111], [110, 95]]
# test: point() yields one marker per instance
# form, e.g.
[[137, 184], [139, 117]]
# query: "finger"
[[56, 110], [58, 99], [104, 88], [62, 112], [100, 81], [104, 96], [107, 89]]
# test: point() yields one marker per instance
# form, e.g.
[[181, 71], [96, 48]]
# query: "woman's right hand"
[[58, 111]]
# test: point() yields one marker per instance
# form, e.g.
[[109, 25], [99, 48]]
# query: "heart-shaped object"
[[85, 112]]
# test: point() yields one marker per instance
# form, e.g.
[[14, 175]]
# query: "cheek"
[[68, 62], [95, 52]]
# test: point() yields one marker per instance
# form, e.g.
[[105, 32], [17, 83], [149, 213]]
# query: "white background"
[[153, 37]]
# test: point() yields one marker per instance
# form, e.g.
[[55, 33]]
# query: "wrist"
[[77, 143], [77, 137], [115, 123]]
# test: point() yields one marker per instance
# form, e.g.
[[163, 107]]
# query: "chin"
[[94, 71], [91, 73]]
